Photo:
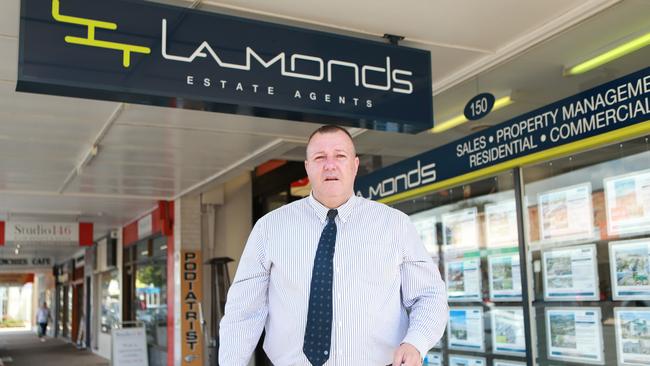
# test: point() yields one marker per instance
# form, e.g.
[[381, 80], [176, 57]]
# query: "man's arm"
[[247, 303], [423, 292]]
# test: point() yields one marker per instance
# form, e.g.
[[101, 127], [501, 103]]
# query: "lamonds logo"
[[90, 40]]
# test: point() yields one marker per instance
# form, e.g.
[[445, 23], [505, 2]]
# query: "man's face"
[[331, 166]]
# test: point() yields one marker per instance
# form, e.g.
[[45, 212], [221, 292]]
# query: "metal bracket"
[[393, 38]]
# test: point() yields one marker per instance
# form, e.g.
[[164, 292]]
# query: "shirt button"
[[340, 324], [337, 269], [339, 296]]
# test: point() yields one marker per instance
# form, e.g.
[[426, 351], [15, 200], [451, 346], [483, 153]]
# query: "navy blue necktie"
[[318, 331]]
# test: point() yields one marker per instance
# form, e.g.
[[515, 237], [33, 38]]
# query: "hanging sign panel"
[[612, 106], [47, 232], [147, 53]]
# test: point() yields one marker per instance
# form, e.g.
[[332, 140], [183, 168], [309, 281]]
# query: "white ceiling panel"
[[476, 24], [10, 18], [216, 122], [8, 58]]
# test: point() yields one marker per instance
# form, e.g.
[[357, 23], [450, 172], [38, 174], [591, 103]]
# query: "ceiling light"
[[460, 119], [611, 55]]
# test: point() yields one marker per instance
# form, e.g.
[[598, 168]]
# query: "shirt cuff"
[[418, 341]]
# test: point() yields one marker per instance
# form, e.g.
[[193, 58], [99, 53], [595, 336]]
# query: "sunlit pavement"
[[21, 347]]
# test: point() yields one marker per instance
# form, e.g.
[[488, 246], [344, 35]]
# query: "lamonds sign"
[[142, 52], [616, 110]]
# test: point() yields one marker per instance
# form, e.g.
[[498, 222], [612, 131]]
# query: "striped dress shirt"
[[386, 289]]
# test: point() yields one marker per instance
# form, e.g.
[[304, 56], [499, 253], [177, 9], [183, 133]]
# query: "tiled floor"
[[23, 348]]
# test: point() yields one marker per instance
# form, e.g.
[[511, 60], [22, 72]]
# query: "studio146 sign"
[[142, 52], [47, 232]]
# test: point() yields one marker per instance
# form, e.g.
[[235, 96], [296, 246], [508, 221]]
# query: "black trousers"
[[42, 330]]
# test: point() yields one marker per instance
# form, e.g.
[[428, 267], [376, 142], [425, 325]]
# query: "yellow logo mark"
[[91, 41]]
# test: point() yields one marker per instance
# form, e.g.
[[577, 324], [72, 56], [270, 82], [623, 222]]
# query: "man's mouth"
[[331, 179]]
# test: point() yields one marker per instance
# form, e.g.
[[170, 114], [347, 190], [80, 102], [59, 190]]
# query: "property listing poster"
[[566, 214], [463, 278], [507, 363], [460, 229], [574, 334], [501, 224], [425, 224], [629, 263], [628, 203], [508, 335], [433, 359], [465, 329], [632, 336], [459, 360], [504, 277], [571, 273]]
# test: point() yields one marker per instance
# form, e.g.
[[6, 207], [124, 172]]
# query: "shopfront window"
[[146, 301], [110, 301], [588, 228], [151, 301], [471, 232]]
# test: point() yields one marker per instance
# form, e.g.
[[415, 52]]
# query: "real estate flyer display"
[[463, 279], [505, 277], [425, 224], [465, 329], [501, 224], [571, 273], [574, 334], [459, 360], [628, 203], [433, 359], [632, 336], [508, 335], [507, 363], [460, 229], [629, 263], [566, 214]]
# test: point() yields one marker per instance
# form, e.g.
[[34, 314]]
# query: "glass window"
[[588, 229], [110, 301], [150, 305], [471, 232]]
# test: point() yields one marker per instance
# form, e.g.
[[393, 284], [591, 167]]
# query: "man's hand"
[[407, 355]]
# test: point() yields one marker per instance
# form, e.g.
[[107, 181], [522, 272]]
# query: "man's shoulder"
[[288, 211], [366, 205]]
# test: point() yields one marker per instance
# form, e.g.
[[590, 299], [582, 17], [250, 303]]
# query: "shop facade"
[[541, 230]]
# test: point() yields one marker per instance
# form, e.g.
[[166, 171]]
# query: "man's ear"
[[356, 165]]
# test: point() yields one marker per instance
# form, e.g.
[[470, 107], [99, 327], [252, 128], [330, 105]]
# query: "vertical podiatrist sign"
[[191, 296], [149, 53]]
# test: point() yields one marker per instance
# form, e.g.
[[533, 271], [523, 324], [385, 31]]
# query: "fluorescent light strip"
[[460, 119], [610, 55]]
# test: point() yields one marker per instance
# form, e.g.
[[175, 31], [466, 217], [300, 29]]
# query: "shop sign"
[[145, 226], [25, 262], [612, 106], [47, 232], [129, 347], [191, 315], [42, 232], [479, 106], [148, 53]]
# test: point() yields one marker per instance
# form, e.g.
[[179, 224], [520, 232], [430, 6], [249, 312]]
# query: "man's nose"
[[329, 163]]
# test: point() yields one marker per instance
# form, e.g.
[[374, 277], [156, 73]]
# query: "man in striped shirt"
[[388, 302]]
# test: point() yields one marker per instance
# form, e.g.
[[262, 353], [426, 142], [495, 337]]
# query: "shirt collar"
[[344, 210]]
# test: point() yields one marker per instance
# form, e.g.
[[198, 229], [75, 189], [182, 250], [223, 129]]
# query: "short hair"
[[331, 129]]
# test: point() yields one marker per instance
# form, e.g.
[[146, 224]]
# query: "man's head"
[[331, 165]]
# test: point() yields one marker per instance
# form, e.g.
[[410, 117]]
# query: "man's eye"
[[341, 156], [318, 158]]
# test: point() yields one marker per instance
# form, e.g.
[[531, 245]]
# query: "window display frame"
[[571, 296]]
